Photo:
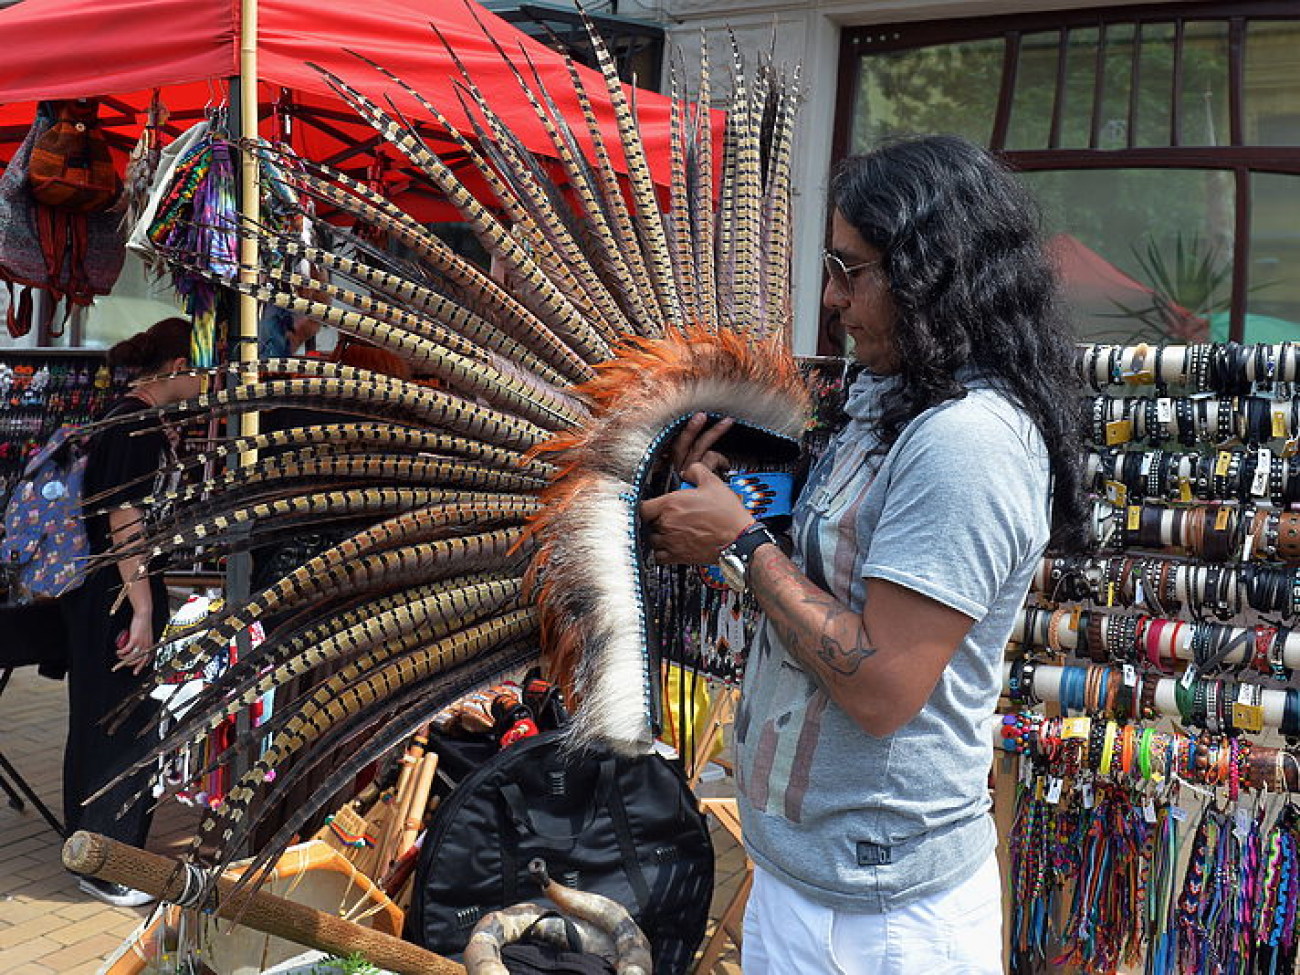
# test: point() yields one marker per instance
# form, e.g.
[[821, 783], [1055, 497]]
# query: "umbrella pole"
[[239, 567], [249, 204]]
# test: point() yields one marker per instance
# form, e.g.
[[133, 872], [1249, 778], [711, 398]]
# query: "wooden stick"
[[421, 786], [171, 880], [385, 851]]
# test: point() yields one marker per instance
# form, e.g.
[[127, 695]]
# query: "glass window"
[[1143, 254], [1272, 95], [1080, 85], [1118, 88], [1273, 285], [951, 88], [1155, 84], [1031, 109], [1109, 154], [1204, 94]]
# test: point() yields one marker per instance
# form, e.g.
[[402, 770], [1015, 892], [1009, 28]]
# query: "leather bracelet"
[[1288, 536]]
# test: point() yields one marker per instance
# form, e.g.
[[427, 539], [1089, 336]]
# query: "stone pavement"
[[47, 925]]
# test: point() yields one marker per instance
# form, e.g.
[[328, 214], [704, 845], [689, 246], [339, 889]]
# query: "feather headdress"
[[492, 509]]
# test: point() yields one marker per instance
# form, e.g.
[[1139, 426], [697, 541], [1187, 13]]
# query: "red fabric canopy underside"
[[124, 49]]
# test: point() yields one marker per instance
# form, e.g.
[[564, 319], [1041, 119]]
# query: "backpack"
[[70, 254], [70, 166], [627, 828], [45, 543]]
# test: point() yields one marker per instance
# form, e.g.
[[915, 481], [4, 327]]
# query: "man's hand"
[[692, 526], [694, 445]]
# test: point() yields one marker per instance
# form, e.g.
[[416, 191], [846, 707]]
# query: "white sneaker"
[[115, 894]]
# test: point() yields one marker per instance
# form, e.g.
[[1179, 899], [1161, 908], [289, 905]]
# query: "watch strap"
[[741, 551]]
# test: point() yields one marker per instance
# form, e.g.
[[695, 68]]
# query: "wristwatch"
[[733, 561]]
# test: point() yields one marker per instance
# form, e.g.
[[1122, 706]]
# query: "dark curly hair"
[[962, 248], [149, 351]]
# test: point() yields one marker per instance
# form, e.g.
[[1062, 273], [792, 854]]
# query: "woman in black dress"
[[108, 651]]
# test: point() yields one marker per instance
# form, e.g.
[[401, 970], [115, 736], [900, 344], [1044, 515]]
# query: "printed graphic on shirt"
[[782, 749]]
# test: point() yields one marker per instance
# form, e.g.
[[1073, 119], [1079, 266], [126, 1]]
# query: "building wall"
[[807, 33]]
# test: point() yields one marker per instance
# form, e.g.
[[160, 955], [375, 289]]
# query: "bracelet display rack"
[[1164, 657]]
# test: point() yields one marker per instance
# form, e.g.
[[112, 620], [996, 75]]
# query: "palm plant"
[[1187, 287]]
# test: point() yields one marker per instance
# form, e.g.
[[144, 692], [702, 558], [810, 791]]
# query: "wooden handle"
[[168, 880]]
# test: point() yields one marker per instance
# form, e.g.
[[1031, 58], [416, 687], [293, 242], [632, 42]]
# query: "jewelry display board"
[[1153, 828], [41, 391]]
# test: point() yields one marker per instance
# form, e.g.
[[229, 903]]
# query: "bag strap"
[[78, 240], [18, 319], [608, 794], [523, 819], [53, 232], [571, 935], [626, 845]]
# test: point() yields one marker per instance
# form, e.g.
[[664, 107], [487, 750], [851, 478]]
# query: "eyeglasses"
[[842, 274]]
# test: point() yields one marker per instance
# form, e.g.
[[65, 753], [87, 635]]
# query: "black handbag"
[[629, 829]]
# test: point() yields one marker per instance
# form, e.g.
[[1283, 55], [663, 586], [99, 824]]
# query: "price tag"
[[1291, 447], [1026, 770], [1075, 727], [1116, 493], [1165, 409], [1136, 370], [1241, 823], [1178, 812], [1221, 519], [1263, 463], [1149, 810], [1085, 791], [1189, 676], [1075, 613], [1118, 432], [1054, 790], [1281, 417], [1221, 465], [1110, 594], [1248, 717], [1184, 489], [1134, 517], [1130, 675]]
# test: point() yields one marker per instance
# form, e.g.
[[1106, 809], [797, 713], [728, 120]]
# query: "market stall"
[[121, 50]]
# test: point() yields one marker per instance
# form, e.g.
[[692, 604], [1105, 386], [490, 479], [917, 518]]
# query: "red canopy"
[[125, 48]]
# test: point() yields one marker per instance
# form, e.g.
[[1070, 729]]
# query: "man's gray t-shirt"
[[956, 510]]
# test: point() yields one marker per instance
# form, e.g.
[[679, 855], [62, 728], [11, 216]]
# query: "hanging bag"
[[22, 263], [628, 828], [71, 254], [71, 168]]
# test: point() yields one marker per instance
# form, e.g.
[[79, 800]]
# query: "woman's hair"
[[149, 351], [960, 243]]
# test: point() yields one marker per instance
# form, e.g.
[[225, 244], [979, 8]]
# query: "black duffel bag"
[[629, 829]]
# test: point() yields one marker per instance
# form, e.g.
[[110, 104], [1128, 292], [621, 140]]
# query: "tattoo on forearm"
[[813, 624], [844, 662]]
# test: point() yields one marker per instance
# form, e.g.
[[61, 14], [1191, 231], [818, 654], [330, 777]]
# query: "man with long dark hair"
[[864, 735]]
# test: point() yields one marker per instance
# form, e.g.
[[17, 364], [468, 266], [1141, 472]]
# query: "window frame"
[[1235, 157]]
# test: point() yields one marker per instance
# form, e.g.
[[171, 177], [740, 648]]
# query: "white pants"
[[957, 931]]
